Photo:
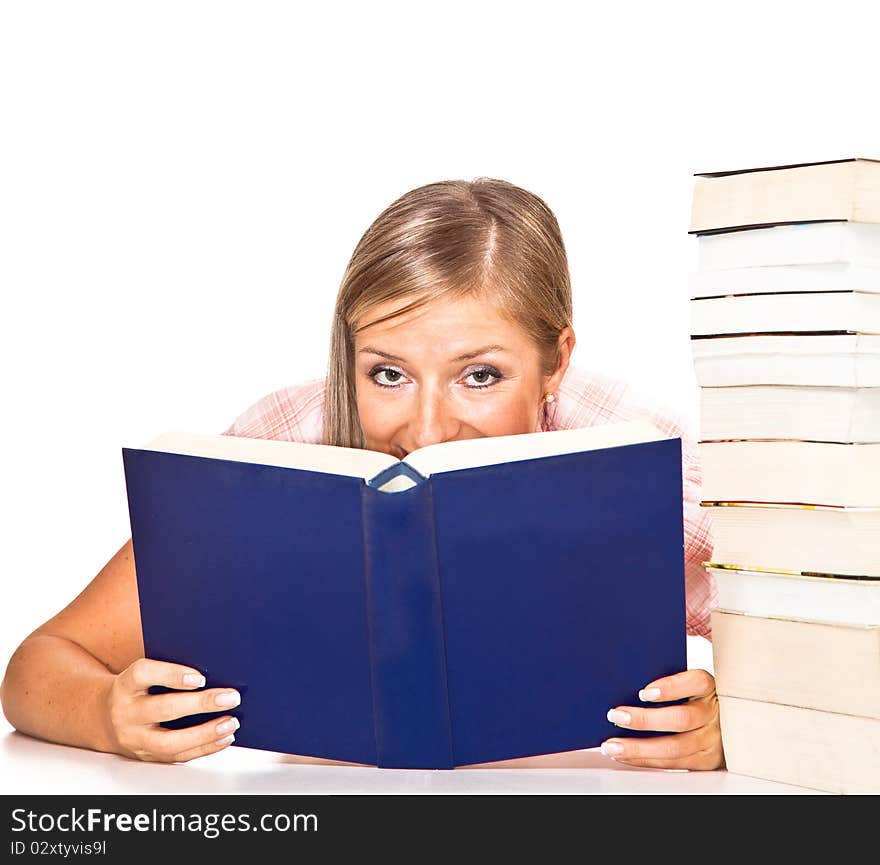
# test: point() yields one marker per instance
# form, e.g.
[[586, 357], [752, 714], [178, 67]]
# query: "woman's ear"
[[564, 348]]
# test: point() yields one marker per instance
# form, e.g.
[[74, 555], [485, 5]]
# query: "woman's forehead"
[[457, 319]]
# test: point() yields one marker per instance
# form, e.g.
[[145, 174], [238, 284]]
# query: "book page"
[[443, 457], [351, 462], [451, 456]]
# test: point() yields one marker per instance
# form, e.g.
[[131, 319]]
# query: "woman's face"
[[454, 369]]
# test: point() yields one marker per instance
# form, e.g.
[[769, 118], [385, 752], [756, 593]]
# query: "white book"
[[777, 595], [815, 665], [836, 189], [825, 414], [800, 538], [817, 473], [853, 311], [806, 243], [832, 360], [824, 750], [783, 279]]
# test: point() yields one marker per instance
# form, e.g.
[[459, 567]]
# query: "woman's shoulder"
[[294, 413], [588, 398]]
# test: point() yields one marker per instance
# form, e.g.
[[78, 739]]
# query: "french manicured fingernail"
[[229, 726], [226, 740], [618, 717], [612, 749], [230, 698], [194, 680], [646, 695]]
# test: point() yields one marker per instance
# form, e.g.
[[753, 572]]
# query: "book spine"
[[405, 623]]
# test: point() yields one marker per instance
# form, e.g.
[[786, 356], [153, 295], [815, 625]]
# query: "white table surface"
[[31, 766]]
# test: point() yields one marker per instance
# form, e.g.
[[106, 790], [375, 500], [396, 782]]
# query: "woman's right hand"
[[134, 715]]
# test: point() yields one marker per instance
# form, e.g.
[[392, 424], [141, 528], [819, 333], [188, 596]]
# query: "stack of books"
[[786, 343]]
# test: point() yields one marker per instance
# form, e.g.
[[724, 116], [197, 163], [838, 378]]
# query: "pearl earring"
[[549, 397]]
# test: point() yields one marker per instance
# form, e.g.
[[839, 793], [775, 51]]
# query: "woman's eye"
[[386, 376], [483, 377]]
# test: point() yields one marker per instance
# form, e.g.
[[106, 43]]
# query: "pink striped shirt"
[[584, 399]]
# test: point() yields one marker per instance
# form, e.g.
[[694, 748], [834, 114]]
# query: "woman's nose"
[[434, 420]]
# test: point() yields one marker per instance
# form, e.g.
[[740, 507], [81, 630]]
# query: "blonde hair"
[[446, 240]]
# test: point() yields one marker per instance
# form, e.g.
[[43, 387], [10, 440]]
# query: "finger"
[[156, 708], [699, 761], [167, 746], [668, 719], [145, 672], [690, 683], [692, 750], [204, 750]]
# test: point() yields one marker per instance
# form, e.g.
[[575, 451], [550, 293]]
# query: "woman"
[[453, 321]]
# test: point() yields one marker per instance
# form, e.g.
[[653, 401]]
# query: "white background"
[[182, 183]]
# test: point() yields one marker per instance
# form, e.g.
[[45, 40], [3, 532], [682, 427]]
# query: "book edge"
[[782, 167]]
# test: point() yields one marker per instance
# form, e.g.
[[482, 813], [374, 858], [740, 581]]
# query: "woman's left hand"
[[696, 743]]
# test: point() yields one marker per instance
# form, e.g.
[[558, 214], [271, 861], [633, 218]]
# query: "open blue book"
[[481, 600]]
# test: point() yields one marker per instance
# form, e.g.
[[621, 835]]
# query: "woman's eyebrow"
[[484, 350], [466, 356]]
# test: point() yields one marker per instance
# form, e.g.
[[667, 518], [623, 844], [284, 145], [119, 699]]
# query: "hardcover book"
[[845, 189], [819, 414], [852, 243], [809, 539], [847, 360], [784, 279], [481, 600], [792, 472], [821, 312], [810, 664], [828, 751], [780, 595]]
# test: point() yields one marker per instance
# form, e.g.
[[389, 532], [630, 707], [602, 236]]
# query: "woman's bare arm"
[[81, 679], [57, 682]]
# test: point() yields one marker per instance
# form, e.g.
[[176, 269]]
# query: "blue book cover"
[[412, 619]]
